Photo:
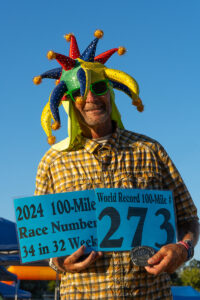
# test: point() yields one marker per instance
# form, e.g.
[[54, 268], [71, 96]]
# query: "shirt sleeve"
[[44, 180], [185, 208]]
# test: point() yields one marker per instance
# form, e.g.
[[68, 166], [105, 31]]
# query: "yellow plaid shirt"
[[126, 160]]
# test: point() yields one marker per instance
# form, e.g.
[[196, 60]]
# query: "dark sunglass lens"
[[76, 93], [99, 87]]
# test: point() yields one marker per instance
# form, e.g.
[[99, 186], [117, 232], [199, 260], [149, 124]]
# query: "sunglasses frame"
[[69, 93]]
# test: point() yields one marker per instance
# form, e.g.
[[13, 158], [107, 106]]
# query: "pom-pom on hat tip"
[[51, 55], [51, 140], [68, 37], [140, 108], [98, 33], [55, 125], [121, 50], [79, 100], [37, 80]]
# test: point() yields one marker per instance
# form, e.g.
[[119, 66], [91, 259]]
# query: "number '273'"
[[141, 212]]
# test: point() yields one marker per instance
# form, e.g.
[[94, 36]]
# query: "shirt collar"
[[111, 144]]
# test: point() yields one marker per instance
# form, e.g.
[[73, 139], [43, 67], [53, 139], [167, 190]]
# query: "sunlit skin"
[[94, 115]]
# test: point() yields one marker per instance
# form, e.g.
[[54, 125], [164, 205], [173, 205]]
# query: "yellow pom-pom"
[[51, 140], [68, 37], [57, 81], [140, 108], [55, 125], [121, 50], [79, 100], [138, 104], [37, 79], [51, 55], [98, 33]]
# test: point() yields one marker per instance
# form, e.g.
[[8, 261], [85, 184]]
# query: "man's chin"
[[96, 120]]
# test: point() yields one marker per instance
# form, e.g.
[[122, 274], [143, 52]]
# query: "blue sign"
[[102, 219], [56, 224], [128, 218]]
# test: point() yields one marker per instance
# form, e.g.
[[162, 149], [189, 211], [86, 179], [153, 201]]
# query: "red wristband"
[[184, 244]]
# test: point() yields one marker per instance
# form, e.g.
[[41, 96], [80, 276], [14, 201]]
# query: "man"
[[100, 153]]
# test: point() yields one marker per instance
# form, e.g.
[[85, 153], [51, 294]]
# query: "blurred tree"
[[191, 276], [36, 287], [175, 279], [194, 263], [51, 286], [188, 274]]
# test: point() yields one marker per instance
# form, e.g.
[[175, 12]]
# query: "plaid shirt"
[[126, 160]]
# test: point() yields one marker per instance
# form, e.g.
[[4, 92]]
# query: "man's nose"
[[91, 98]]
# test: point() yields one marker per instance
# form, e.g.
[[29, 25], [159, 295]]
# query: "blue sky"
[[163, 43]]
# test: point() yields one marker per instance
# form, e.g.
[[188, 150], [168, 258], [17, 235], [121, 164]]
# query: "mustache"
[[94, 106]]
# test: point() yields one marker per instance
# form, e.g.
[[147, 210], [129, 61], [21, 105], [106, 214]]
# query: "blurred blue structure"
[[9, 249], [185, 293], [6, 275], [10, 292]]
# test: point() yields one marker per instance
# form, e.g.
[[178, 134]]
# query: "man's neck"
[[98, 131]]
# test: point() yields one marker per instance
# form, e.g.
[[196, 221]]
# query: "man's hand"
[[167, 259], [71, 264]]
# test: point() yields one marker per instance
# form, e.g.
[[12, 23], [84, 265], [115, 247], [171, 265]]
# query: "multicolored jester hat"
[[75, 76]]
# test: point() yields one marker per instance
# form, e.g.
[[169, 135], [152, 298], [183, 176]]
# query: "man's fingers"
[[165, 260], [77, 267], [87, 262], [156, 258], [75, 256], [160, 267]]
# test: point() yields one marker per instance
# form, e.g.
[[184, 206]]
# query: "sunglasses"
[[98, 88]]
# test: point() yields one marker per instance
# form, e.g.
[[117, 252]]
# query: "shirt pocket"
[[81, 184], [140, 180]]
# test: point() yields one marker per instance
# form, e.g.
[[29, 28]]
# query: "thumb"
[[156, 258]]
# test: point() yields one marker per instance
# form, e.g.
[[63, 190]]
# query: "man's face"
[[95, 111]]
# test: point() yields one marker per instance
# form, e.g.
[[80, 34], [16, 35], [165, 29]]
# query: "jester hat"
[[79, 71]]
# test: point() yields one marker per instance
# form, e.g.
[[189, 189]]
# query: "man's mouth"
[[94, 108]]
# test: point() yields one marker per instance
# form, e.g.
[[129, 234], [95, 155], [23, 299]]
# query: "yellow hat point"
[[37, 80], [51, 55], [51, 140], [98, 33], [55, 125], [134, 102], [57, 81], [121, 50], [68, 37], [79, 100], [138, 101]]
